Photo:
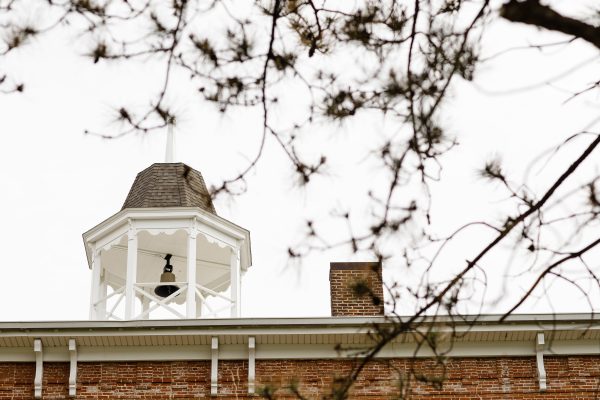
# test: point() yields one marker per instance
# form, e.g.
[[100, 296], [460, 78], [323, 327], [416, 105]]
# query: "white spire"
[[170, 152]]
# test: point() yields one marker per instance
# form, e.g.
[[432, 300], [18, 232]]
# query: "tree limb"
[[533, 13]]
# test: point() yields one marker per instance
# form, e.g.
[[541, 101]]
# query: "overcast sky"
[[57, 182]]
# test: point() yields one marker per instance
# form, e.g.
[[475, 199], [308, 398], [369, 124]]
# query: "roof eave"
[[122, 217], [488, 321]]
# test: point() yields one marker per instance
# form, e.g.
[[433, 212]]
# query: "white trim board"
[[274, 351]]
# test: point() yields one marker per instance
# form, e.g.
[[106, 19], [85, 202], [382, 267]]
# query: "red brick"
[[572, 377]]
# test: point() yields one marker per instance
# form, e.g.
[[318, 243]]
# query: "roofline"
[[293, 338], [566, 321], [157, 210], [119, 217]]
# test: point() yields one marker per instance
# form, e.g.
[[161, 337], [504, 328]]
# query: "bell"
[[166, 277]]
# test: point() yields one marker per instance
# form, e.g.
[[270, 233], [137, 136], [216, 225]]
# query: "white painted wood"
[[213, 293], [154, 284], [114, 293], [214, 366], [166, 225], [113, 279], [198, 307], [539, 355], [103, 347], [145, 307], [251, 365], [202, 300], [131, 276], [110, 235], [206, 263], [73, 368], [216, 313], [111, 238], [235, 283], [213, 227], [191, 311], [102, 291], [182, 214], [95, 289], [39, 369], [121, 293], [170, 148], [161, 302]]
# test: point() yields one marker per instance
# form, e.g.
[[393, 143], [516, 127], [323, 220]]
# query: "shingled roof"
[[169, 185]]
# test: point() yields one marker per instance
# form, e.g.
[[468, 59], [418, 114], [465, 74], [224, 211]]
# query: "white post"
[[145, 306], [95, 289], [132, 244], [235, 282], [198, 308], [102, 291], [191, 272]]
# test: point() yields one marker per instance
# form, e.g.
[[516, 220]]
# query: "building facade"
[[165, 323]]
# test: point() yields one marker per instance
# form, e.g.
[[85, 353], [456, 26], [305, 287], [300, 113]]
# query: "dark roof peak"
[[169, 185]]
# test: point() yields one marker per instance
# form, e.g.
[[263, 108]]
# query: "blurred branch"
[[531, 12]]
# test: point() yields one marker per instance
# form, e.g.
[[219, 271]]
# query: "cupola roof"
[[169, 185]]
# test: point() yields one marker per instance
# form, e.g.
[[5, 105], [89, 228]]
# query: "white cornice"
[[563, 319], [320, 325], [567, 334], [123, 217]]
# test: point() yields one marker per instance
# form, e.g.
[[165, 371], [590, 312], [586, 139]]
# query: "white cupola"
[[167, 253]]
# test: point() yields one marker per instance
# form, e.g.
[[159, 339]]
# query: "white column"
[[95, 289], [191, 272], [102, 292], [132, 244], [235, 282]]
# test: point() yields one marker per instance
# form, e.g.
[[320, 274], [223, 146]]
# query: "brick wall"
[[573, 377], [344, 299]]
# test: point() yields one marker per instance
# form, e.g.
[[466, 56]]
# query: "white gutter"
[[517, 321]]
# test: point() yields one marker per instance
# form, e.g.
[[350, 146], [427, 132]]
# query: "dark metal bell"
[[165, 277]]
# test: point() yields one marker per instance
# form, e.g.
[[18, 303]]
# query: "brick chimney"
[[356, 289]]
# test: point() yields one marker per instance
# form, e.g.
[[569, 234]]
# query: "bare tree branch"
[[531, 12]]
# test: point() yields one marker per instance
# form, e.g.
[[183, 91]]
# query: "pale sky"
[[57, 183]]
